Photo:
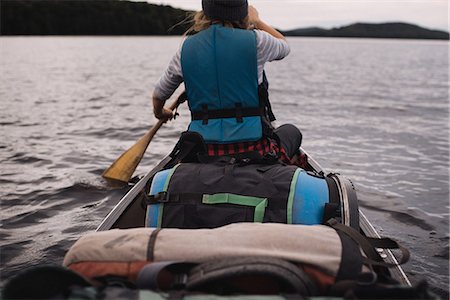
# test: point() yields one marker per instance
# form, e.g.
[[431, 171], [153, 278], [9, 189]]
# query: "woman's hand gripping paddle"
[[123, 168]]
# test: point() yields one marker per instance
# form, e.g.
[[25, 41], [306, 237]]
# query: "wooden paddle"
[[123, 168]]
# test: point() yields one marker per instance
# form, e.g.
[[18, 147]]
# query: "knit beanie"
[[225, 10]]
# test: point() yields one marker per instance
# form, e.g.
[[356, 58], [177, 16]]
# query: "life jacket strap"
[[263, 93], [238, 112]]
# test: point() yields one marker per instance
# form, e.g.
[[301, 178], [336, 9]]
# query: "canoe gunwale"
[[370, 231], [109, 221]]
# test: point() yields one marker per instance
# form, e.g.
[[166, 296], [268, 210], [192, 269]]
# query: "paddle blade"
[[123, 168]]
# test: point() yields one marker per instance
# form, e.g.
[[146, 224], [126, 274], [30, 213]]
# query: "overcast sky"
[[290, 14]]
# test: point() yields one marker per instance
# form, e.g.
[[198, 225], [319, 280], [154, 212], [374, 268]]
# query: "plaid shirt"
[[262, 146]]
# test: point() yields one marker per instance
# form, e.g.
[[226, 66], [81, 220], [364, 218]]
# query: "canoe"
[[130, 211], [123, 251]]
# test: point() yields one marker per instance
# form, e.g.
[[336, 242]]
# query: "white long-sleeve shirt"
[[268, 48]]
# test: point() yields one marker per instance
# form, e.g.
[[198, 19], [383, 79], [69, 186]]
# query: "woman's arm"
[[161, 113], [271, 44], [254, 19], [166, 86]]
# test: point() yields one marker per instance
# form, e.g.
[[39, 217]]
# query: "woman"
[[222, 66]]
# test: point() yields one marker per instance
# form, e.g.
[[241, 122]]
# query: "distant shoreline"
[[180, 36], [124, 18], [395, 30]]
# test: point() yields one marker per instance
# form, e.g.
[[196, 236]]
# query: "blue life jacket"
[[220, 72], [194, 195]]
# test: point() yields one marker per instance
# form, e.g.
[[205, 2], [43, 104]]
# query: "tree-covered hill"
[[384, 30], [97, 17]]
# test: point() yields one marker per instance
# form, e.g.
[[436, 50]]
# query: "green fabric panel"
[[166, 185], [260, 204], [260, 209], [291, 195]]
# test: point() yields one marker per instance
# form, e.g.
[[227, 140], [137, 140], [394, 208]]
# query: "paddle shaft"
[[123, 168]]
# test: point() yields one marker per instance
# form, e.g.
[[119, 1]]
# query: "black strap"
[[238, 112], [196, 198], [204, 114], [184, 151], [332, 209], [240, 159], [151, 244], [166, 275], [387, 243], [272, 135], [165, 197], [332, 189], [215, 273], [378, 291], [368, 245], [219, 160], [351, 260], [188, 146], [263, 93], [352, 289]]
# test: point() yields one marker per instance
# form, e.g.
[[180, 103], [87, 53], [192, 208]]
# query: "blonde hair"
[[201, 22]]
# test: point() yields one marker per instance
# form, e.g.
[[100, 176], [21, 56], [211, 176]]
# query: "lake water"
[[376, 111]]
